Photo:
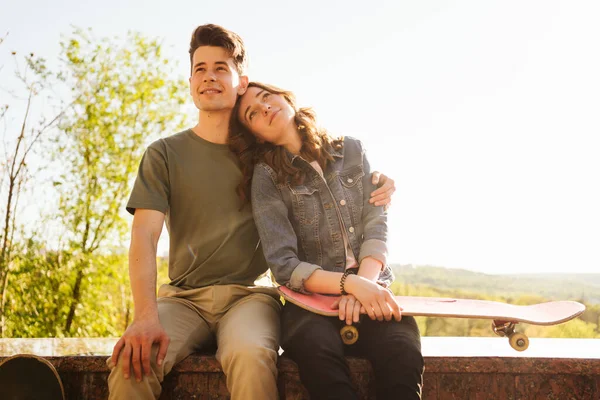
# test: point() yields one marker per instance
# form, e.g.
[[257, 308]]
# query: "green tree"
[[125, 97], [37, 296], [22, 133]]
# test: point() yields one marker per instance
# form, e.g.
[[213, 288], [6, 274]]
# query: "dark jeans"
[[314, 343]]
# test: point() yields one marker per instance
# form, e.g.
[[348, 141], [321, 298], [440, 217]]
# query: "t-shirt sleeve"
[[151, 188]]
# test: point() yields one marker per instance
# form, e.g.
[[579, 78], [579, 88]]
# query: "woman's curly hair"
[[316, 145]]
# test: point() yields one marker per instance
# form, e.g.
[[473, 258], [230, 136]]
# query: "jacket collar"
[[337, 153]]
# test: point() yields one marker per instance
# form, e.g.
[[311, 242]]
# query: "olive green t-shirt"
[[193, 182]]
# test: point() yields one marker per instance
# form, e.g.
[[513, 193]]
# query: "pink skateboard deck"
[[504, 315]]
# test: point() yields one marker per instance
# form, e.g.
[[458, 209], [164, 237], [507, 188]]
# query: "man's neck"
[[213, 126]]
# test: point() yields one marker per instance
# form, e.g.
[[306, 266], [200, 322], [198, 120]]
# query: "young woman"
[[310, 199]]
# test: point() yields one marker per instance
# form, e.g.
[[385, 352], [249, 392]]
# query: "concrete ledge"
[[446, 377]]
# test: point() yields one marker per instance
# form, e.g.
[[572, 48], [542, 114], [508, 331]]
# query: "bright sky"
[[486, 113]]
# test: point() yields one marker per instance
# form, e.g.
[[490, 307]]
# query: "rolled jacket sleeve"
[[374, 248], [277, 235], [301, 273]]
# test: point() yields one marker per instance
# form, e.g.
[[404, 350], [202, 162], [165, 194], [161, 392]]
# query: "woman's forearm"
[[325, 282], [321, 281], [370, 268]]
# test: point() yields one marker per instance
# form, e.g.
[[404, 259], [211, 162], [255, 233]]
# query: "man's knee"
[[247, 354], [157, 371], [251, 369], [129, 388]]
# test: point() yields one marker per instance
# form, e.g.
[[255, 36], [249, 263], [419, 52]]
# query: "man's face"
[[215, 83]]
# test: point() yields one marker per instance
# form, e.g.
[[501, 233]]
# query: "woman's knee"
[[300, 327], [312, 337], [396, 343]]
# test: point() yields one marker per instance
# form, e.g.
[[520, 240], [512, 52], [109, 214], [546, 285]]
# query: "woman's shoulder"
[[263, 170], [352, 144], [350, 139]]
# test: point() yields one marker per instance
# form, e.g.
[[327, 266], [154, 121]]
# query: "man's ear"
[[243, 86]]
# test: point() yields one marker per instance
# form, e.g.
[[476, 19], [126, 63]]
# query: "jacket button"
[[350, 180], [351, 229], [343, 202]]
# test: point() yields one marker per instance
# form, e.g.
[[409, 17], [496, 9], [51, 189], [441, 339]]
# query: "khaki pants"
[[244, 321]]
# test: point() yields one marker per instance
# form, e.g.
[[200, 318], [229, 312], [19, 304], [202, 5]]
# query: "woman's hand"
[[349, 308], [377, 301]]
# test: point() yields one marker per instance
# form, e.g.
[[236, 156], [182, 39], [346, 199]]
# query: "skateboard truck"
[[518, 341]]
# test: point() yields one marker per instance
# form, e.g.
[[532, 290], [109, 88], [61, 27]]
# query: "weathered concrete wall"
[[447, 377]]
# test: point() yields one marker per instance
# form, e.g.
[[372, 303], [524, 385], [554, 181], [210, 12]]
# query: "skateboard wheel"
[[519, 341], [349, 334]]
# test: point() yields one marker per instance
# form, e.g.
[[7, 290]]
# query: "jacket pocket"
[[307, 213], [305, 204], [352, 176]]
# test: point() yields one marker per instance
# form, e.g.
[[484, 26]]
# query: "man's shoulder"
[[168, 144], [179, 137]]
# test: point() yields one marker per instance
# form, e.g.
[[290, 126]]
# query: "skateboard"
[[504, 316], [29, 377]]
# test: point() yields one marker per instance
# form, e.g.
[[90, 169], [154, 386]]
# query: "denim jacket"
[[299, 226]]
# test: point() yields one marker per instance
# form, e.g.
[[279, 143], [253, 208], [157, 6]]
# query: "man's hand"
[[349, 308], [377, 301], [136, 345], [386, 187]]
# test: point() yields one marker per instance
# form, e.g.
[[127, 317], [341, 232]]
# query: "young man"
[[189, 180]]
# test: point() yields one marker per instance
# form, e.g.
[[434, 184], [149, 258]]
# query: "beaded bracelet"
[[349, 271]]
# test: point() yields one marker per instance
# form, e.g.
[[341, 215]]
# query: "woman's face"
[[267, 115]]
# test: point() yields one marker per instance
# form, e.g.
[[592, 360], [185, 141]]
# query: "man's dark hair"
[[217, 36]]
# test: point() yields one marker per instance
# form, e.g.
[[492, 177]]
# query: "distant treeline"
[[580, 287]]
